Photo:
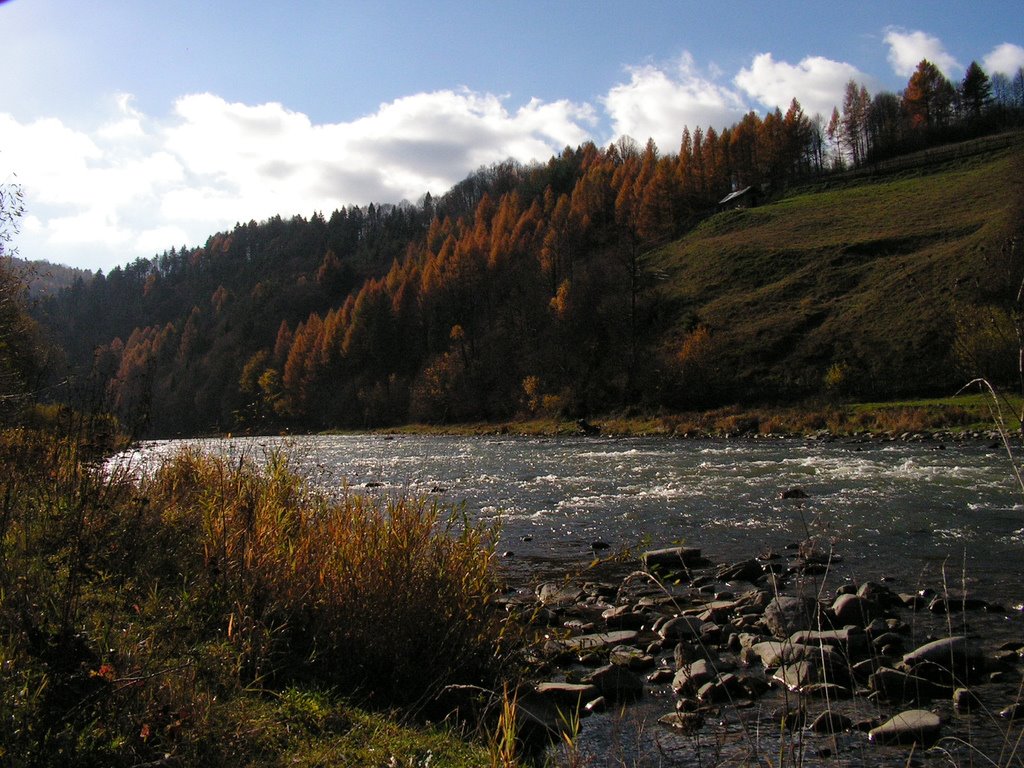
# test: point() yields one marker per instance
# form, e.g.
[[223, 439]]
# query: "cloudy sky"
[[137, 125]]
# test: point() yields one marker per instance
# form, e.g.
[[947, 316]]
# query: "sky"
[[134, 126]]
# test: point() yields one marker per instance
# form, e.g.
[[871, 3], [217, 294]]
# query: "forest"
[[525, 289]]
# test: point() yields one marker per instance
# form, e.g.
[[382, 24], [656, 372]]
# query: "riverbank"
[[963, 417], [689, 662]]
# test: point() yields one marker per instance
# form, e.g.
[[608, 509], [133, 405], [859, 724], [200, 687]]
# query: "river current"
[[919, 514]]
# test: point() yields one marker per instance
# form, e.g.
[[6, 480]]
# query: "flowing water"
[[914, 512], [917, 514]]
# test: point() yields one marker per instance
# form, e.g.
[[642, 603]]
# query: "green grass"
[[872, 276]]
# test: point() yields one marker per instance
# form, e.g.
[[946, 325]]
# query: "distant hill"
[[46, 279]]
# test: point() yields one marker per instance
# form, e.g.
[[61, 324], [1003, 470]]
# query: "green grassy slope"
[[870, 277]]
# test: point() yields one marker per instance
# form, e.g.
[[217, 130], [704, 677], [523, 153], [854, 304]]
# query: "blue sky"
[[137, 125]]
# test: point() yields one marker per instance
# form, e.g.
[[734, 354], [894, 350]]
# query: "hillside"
[[543, 291], [869, 281]]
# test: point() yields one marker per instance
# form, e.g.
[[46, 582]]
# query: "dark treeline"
[[524, 289]]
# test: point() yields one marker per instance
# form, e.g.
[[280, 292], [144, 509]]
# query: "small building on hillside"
[[741, 198]]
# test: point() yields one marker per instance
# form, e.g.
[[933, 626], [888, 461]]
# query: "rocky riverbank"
[[748, 658]]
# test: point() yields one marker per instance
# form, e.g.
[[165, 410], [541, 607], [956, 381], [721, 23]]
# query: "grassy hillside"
[[868, 280]]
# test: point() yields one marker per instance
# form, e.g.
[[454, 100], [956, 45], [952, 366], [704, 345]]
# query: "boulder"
[[913, 726], [897, 685], [673, 558], [616, 683], [956, 653], [855, 610], [850, 640], [786, 615], [690, 677], [681, 628], [748, 570], [830, 722]]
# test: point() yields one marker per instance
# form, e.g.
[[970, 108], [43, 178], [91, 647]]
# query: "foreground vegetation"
[[215, 613]]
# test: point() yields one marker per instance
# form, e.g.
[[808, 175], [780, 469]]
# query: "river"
[[916, 513]]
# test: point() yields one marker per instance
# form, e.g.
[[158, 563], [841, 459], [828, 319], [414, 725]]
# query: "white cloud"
[[658, 104], [906, 49], [136, 186], [1006, 58], [816, 82]]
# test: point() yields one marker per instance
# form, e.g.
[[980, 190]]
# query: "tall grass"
[[185, 613], [388, 595]]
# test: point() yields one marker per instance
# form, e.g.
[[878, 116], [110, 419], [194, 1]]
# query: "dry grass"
[[194, 612]]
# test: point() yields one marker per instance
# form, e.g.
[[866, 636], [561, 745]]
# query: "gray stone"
[[786, 615], [681, 627], [555, 594], [691, 676], [600, 640], [913, 726], [855, 610]]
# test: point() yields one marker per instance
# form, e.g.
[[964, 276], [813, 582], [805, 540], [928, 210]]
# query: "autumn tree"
[[928, 98]]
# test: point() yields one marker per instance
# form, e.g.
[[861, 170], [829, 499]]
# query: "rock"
[[566, 694], [798, 674], [850, 640], [964, 700], [661, 675], [786, 615], [830, 722], [913, 726], [630, 657], [956, 655], [554, 594], [678, 558], [748, 570], [683, 721], [796, 492], [827, 691], [599, 640], [681, 627], [1013, 712], [623, 617], [855, 610], [596, 705], [690, 677], [897, 685], [718, 690], [880, 594], [616, 683]]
